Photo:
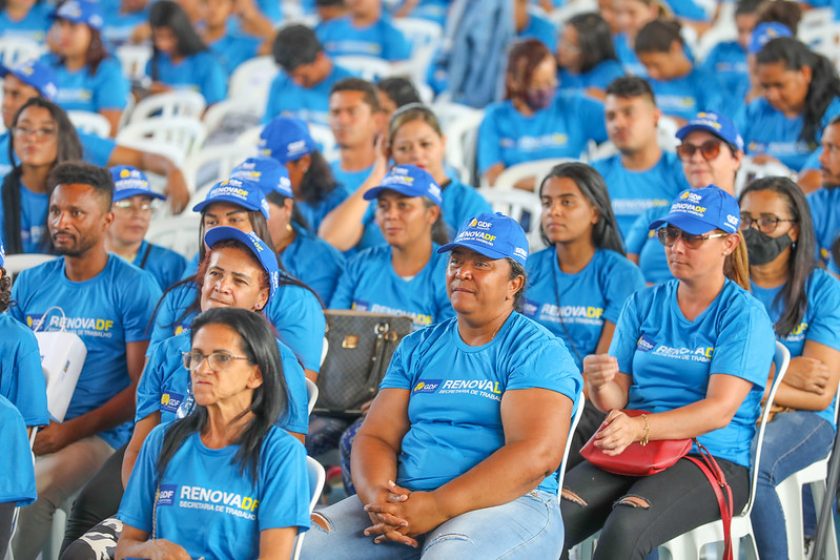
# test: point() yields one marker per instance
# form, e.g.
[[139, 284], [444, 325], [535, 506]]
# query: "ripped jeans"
[[637, 514], [528, 527]]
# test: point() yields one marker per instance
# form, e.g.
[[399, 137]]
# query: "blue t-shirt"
[[671, 359], [33, 219], [207, 505], [642, 241], [560, 130], [687, 9], [33, 26], [166, 383], [81, 90], [728, 61], [314, 262], [120, 25], [768, 131], [541, 29], [688, 95], [21, 378], [165, 265], [293, 310], [107, 312], [200, 72], [575, 306], [234, 49], [825, 212], [311, 104], [598, 77], [454, 407], [315, 212], [370, 284], [821, 322], [627, 56], [17, 471], [632, 192], [379, 40], [350, 180]]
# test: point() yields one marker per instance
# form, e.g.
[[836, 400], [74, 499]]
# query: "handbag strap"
[[723, 493]]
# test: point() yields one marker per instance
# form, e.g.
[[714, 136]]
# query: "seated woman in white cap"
[[459, 452], [133, 208]]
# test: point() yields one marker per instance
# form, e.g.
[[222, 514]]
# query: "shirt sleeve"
[[813, 161], [284, 496], [138, 501], [111, 91], [150, 386], [623, 345], [214, 82], [620, 282], [96, 150], [300, 322], [745, 344], [297, 416], [397, 47], [824, 326], [273, 103], [138, 305], [548, 366], [489, 147], [637, 235], [166, 316], [342, 297], [31, 398]]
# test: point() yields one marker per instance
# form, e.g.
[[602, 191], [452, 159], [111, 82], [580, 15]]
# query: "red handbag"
[[658, 455]]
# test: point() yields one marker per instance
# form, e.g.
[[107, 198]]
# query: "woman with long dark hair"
[[229, 444], [586, 56], [804, 303], [42, 137], [88, 78]]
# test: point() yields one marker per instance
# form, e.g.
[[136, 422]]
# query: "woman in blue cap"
[[305, 256], [239, 271], [17, 472], [225, 481], [293, 309], [458, 455], [133, 210], [804, 303], [317, 193], [88, 78], [694, 353], [27, 19]]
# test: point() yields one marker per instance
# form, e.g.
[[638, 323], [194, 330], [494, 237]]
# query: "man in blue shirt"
[[357, 121], [364, 31], [641, 175], [825, 203], [308, 74], [107, 303]]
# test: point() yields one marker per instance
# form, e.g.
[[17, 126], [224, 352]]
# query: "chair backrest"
[[179, 233], [781, 359], [522, 206], [537, 169], [317, 476], [370, 68], [251, 81], [236, 108], [14, 50], [419, 32], [212, 164], [176, 137], [572, 427], [15, 264], [750, 170], [92, 123], [460, 126], [312, 394], [176, 103], [133, 59]]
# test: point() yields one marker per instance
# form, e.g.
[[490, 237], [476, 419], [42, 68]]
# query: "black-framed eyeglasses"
[[710, 149], [765, 223], [669, 235], [218, 361]]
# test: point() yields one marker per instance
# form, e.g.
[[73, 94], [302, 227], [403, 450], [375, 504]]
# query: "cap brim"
[[128, 193], [374, 193], [689, 128], [218, 234], [224, 198], [688, 224], [480, 249]]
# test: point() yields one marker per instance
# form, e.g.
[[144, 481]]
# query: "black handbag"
[[360, 348]]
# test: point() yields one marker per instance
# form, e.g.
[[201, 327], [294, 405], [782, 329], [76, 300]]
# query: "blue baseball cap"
[[698, 211], [246, 194], [766, 32], [2, 254], [493, 235], [716, 124], [286, 139], [130, 181], [36, 74], [80, 11], [408, 180], [267, 172], [257, 246]]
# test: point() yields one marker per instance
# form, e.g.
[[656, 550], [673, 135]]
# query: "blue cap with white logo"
[[408, 180], [698, 211], [286, 139], [130, 181], [495, 236], [267, 172], [766, 32], [36, 74], [257, 246], [81, 11], [715, 124], [246, 194], [2, 254]]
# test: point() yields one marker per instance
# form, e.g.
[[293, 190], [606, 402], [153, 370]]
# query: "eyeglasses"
[[708, 149], [127, 207], [765, 223], [38, 133], [218, 361], [669, 235]]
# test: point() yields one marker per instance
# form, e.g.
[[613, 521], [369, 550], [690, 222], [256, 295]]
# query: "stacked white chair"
[[370, 68], [176, 138], [133, 59], [14, 50], [92, 123], [317, 477], [179, 233], [183, 103], [460, 126]]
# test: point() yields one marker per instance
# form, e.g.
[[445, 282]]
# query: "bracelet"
[[645, 435]]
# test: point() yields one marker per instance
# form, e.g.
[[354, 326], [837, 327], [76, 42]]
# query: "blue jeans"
[[528, 527], [792, 441]]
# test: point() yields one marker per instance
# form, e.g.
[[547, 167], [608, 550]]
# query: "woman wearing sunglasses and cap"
[[694, 352], [133, 210], [711, 151], [458, 455]]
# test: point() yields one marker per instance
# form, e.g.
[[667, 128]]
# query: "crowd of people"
[[645, 291]]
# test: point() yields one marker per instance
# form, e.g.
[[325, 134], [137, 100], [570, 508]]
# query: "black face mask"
[[762, 248]]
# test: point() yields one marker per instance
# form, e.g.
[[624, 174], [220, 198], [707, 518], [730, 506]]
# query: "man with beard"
[[107, 303], [825, 203], [641, 175]]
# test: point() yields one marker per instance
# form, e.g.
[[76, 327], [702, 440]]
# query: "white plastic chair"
[[370, 68], [750, 170], [176, 137], [212, 164], [183, 103], [92, 123], [460, 126], [312, 395], [179, 233], [425, 37], [15, 264], [14, 50], [537, 169], [133, 59], [688, 545], [572, 427], [522, 206], [560, 15], [317, 477], [250, 138], [323, 135], [217, 112], [251, 81], [790, 495]]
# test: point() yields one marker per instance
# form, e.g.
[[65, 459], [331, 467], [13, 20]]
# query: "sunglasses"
[[710, 149], [669, 235]]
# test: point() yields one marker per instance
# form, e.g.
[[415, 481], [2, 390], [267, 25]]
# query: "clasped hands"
[[399, 515]]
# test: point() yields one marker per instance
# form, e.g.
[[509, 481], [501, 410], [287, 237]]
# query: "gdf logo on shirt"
[[166, 496], [427, 386]]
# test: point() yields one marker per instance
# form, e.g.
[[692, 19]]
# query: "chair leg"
[[790, 496], [682, 548]]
